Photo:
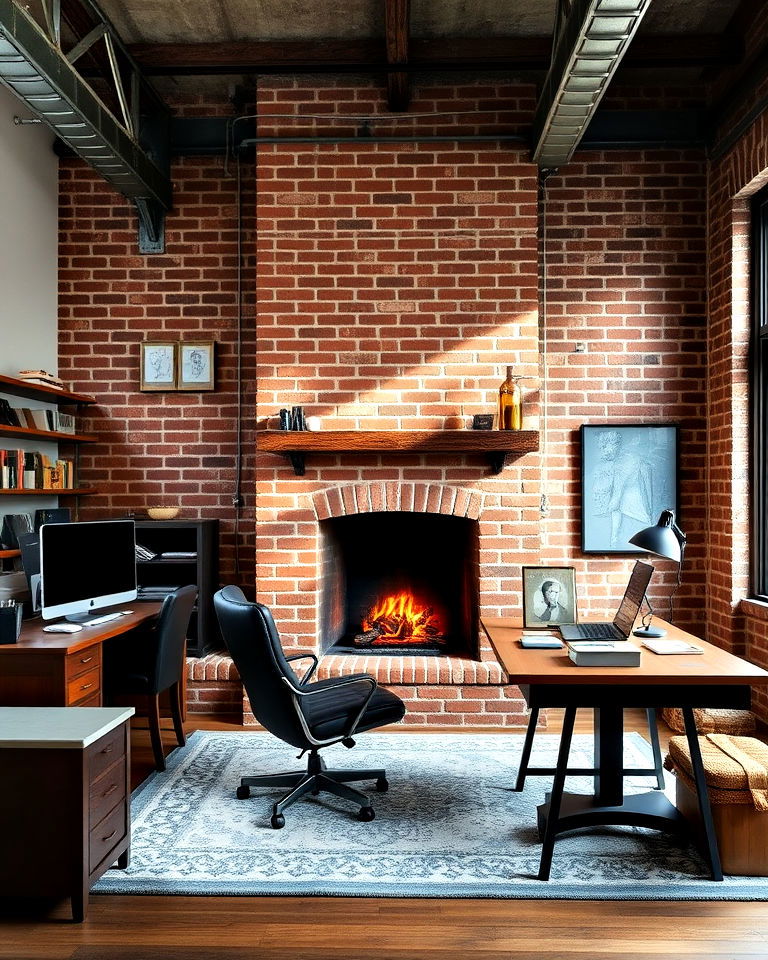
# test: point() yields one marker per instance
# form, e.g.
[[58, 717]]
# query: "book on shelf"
[[665, 645], [9, 416], [604, 653]]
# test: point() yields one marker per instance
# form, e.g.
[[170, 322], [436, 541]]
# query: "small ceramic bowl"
[[163, 513]]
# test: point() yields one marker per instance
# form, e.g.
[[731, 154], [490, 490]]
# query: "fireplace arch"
[[400, 580]]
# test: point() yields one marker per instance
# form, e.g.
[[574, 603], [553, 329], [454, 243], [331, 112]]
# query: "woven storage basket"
[[736, 722], [741, 828]]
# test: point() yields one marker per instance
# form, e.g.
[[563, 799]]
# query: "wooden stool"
[[734, 768]]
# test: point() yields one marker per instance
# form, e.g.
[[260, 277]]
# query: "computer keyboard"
[[597, 631], [105, 619]]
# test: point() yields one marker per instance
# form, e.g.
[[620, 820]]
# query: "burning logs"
[[399, 619]]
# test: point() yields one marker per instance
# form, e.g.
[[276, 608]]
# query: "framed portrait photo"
[[196, 366], [628, 476], [158, 366], [549, 596]]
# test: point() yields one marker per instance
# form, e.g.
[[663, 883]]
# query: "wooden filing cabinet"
[[65, 802]]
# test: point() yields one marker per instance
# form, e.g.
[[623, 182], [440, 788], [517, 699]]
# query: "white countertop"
[[58, 727]]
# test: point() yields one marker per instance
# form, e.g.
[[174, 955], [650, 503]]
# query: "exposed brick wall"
[[159, 447], [625, 275]]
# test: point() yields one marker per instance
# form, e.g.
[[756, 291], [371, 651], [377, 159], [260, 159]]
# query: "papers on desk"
[[541, 641], [662, 645], [604, 653]]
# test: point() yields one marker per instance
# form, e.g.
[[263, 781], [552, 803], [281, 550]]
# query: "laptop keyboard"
[[596, 631]]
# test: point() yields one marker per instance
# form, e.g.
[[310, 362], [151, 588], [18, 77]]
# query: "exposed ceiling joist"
[[397, 21], [35, 68], [591, 39], [512, 54]]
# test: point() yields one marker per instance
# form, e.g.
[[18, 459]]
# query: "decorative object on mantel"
[[482, 421], [163, 513], [314, 424], [511, 402], [496, 444]]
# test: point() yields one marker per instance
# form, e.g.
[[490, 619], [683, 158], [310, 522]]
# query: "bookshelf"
[[198, 537], [22, 389]]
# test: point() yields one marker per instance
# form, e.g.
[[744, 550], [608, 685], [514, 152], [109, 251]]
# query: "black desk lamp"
[[664, 539]]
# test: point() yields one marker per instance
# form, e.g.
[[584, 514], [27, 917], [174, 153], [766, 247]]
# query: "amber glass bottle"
[[510, 403]]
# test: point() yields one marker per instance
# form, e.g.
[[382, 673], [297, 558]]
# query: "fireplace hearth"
[[399, 583]]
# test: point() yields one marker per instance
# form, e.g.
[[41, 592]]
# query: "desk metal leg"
[[609, 755], [527, 747], [653, 733], [555, 798], [702, 793]]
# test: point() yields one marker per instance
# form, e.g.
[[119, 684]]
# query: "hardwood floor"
[[301, 928]]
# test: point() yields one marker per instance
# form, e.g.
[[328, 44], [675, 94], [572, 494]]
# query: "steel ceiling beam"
[[37, 71], [591, 39]]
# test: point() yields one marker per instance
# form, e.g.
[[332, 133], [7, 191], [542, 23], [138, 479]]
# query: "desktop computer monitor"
[[86, 566]]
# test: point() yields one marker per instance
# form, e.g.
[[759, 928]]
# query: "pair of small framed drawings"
[[177, 366], [549, 596]]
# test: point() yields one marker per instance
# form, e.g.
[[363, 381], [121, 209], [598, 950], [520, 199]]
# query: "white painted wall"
[[28, 243]]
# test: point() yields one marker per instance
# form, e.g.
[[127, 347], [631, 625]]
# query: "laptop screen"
[[633, 597]]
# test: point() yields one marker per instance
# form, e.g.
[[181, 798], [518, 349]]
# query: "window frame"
[[759, 398]]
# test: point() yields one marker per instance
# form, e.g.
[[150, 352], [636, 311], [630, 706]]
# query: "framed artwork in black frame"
[[549, 596], [629, 474]]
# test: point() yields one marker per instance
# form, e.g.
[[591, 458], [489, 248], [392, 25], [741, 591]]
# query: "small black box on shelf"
[[52, 515]]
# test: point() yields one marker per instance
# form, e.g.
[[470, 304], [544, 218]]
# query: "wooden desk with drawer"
[[61, 669], [65, 802]]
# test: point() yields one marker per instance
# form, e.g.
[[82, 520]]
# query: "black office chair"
[[306, 715], [152, 663]]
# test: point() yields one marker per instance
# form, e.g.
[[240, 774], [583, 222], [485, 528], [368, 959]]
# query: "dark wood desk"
[[548, 678], [62, 669]]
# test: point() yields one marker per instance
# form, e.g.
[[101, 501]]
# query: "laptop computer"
[[624, 620]]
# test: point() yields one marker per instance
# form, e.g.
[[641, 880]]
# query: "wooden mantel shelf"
[[295, 444]]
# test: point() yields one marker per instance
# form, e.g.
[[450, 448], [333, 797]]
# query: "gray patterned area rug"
[[450, 826]]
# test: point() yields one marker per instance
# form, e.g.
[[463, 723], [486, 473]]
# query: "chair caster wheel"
[[277, 821], [382, 784], [366, 814], [243, 793]]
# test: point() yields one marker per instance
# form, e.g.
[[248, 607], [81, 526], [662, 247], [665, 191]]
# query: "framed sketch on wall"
[[196, 366], [158, 366], [549, 596], [628, 476]]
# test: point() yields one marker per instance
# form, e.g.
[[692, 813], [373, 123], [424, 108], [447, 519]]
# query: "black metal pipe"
[[463, 138]]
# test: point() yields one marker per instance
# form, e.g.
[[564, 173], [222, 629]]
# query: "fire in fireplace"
[[397, 582], [400, 619]]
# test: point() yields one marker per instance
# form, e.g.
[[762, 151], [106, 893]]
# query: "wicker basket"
[[739, 723]]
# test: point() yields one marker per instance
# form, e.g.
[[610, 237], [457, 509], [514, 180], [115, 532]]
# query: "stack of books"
[[156, 592], [43, 377]]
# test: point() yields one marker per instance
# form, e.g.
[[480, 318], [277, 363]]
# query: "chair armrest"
[[343, 682], [303, 656]]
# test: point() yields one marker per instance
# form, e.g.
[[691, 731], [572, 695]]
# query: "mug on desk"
[[10, 621]]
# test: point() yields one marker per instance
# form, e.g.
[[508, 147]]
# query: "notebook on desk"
[[625, 617]]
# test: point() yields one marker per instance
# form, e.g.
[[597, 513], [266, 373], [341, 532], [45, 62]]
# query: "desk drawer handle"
[[111, 747], [111, 790], [109, 836], [85, 686], [85, 659]]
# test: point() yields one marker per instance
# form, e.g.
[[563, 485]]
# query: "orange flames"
[[401, 618]]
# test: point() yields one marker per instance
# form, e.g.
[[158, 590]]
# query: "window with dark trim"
[[759, 395]]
